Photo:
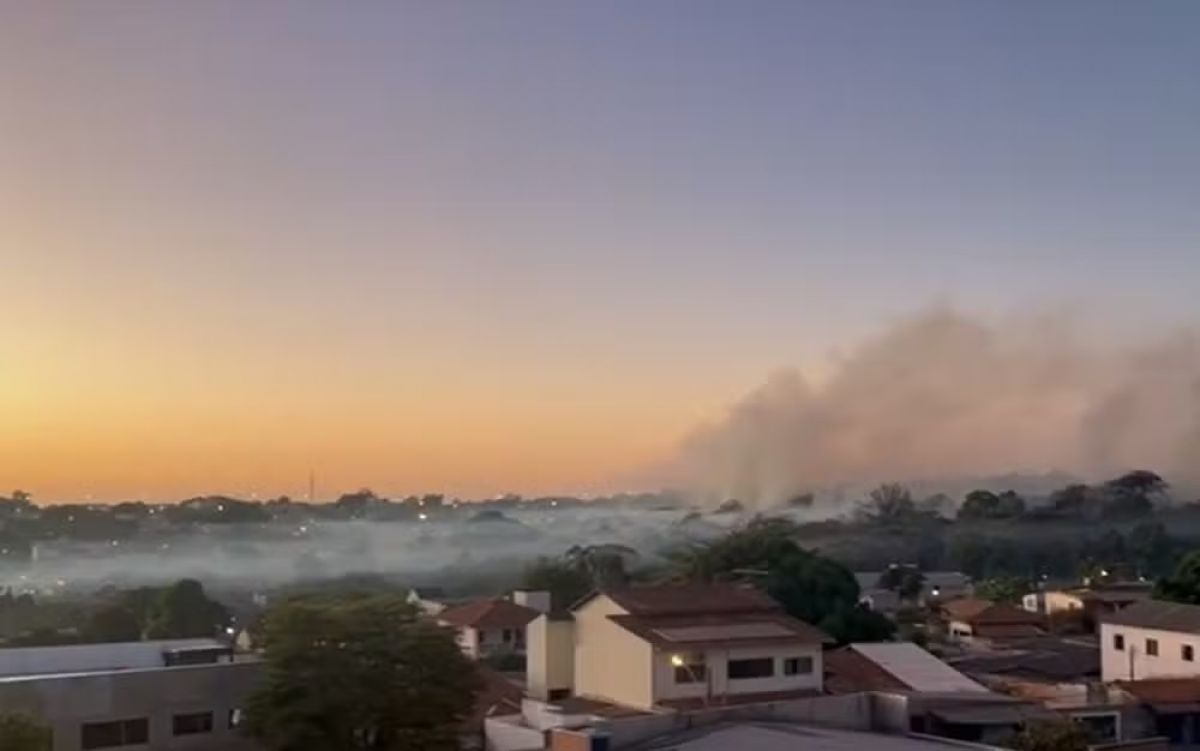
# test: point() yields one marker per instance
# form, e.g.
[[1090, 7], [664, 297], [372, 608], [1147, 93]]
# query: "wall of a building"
[[611, 663], [67, 702], [1133, 663], [550, 662], [718, 682]]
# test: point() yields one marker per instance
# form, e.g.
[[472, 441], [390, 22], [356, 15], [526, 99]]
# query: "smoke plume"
[[945, 395]]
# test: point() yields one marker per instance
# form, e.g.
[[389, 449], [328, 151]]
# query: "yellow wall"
[[611, 663]]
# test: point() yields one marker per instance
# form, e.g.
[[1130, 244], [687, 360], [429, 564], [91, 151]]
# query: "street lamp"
[[678, 662]]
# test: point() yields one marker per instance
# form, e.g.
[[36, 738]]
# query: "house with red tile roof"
[[488, 627], [675, 646], [971, 620]]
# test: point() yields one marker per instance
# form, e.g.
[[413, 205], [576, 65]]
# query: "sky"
[[477, 247]]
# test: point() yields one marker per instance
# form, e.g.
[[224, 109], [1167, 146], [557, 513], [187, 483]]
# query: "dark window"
[[192, 724], [691, 673], [506, 635], [763, 667], [798, 666], [1119, 642], [115, 733], [1152, 647], [1189, 654]]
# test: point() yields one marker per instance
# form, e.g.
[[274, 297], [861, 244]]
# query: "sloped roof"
[[1157, 614], [976, 612], [687, 599], [914, 668], [1164, 690], [497, 696], [495, 613], [720, 630]]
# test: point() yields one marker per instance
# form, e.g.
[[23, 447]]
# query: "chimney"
[[538, 600]]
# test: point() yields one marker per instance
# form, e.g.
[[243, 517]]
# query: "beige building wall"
[[1133, 661], [611, 663], [717, 661], [66, 702], [550, 660]]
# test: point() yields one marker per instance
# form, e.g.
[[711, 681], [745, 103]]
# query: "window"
[[506, 635], [798, 666], [192, 724], [116, 733], [763, 667], [1119, 642], [1152, 647], [1189, 654]]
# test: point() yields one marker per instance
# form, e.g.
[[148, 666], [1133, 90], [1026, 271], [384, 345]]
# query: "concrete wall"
[[719, 683], [538, 600], [550, 664], [67, 702], [503, 734], [611, 663], [1133, 663]]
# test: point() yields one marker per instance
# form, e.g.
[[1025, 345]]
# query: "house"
[[1086, 604], [490, 627], [648, 647], [1173, 705], [1150, 639], [497, 696], [971, 620], [892, 666], [179, 694]]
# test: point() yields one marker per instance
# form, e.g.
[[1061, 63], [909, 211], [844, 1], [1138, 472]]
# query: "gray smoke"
[[945, 395]]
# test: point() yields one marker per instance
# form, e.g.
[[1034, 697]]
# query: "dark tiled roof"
[[1048, 658], [976, 612], [721, 630], [688, 599], [1164, 690], [1168, 616], [497, 696], [489, 614], [849, 672]]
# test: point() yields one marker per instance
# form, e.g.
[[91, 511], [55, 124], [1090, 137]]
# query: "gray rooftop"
[[1157, 614], [762, 736]]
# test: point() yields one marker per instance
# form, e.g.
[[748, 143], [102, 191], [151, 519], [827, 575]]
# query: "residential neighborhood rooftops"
[[774, 736], [976, 611], [894, 666], [1164, 693], [1157, 614], [1048, 658], [688, 599], [729, 629], [496, 613], [91, 658]]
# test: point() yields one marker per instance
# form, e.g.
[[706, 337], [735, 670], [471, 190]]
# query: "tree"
[[888, 504], [1132, 494], [604, 564], [1183, 585], [359, 673], [113, 623], [22, 733], [810, 587], [1051, 735], [567, 584], [905, 581], [984, 504], [184, 611], [1002, 589]]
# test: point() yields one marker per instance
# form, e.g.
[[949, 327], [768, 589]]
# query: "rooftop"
[[1164, 691], [765, 736], [719, 630], [895, 666], [497, 613], [688, 599], [95, 658], [975, 611], [1157, 614]]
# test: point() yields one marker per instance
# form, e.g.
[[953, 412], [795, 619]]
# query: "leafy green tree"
[[1002, 589], [359, 673], [984, 504], [1051, 735], [112, 623], [22, 733], [1151, 549], [810, 587], [604, 564], [888, 504], [184, 611], [1183, 585], [566, 583], [906, 581]]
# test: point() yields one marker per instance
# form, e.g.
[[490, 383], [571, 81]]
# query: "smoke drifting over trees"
[[943, 395]]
